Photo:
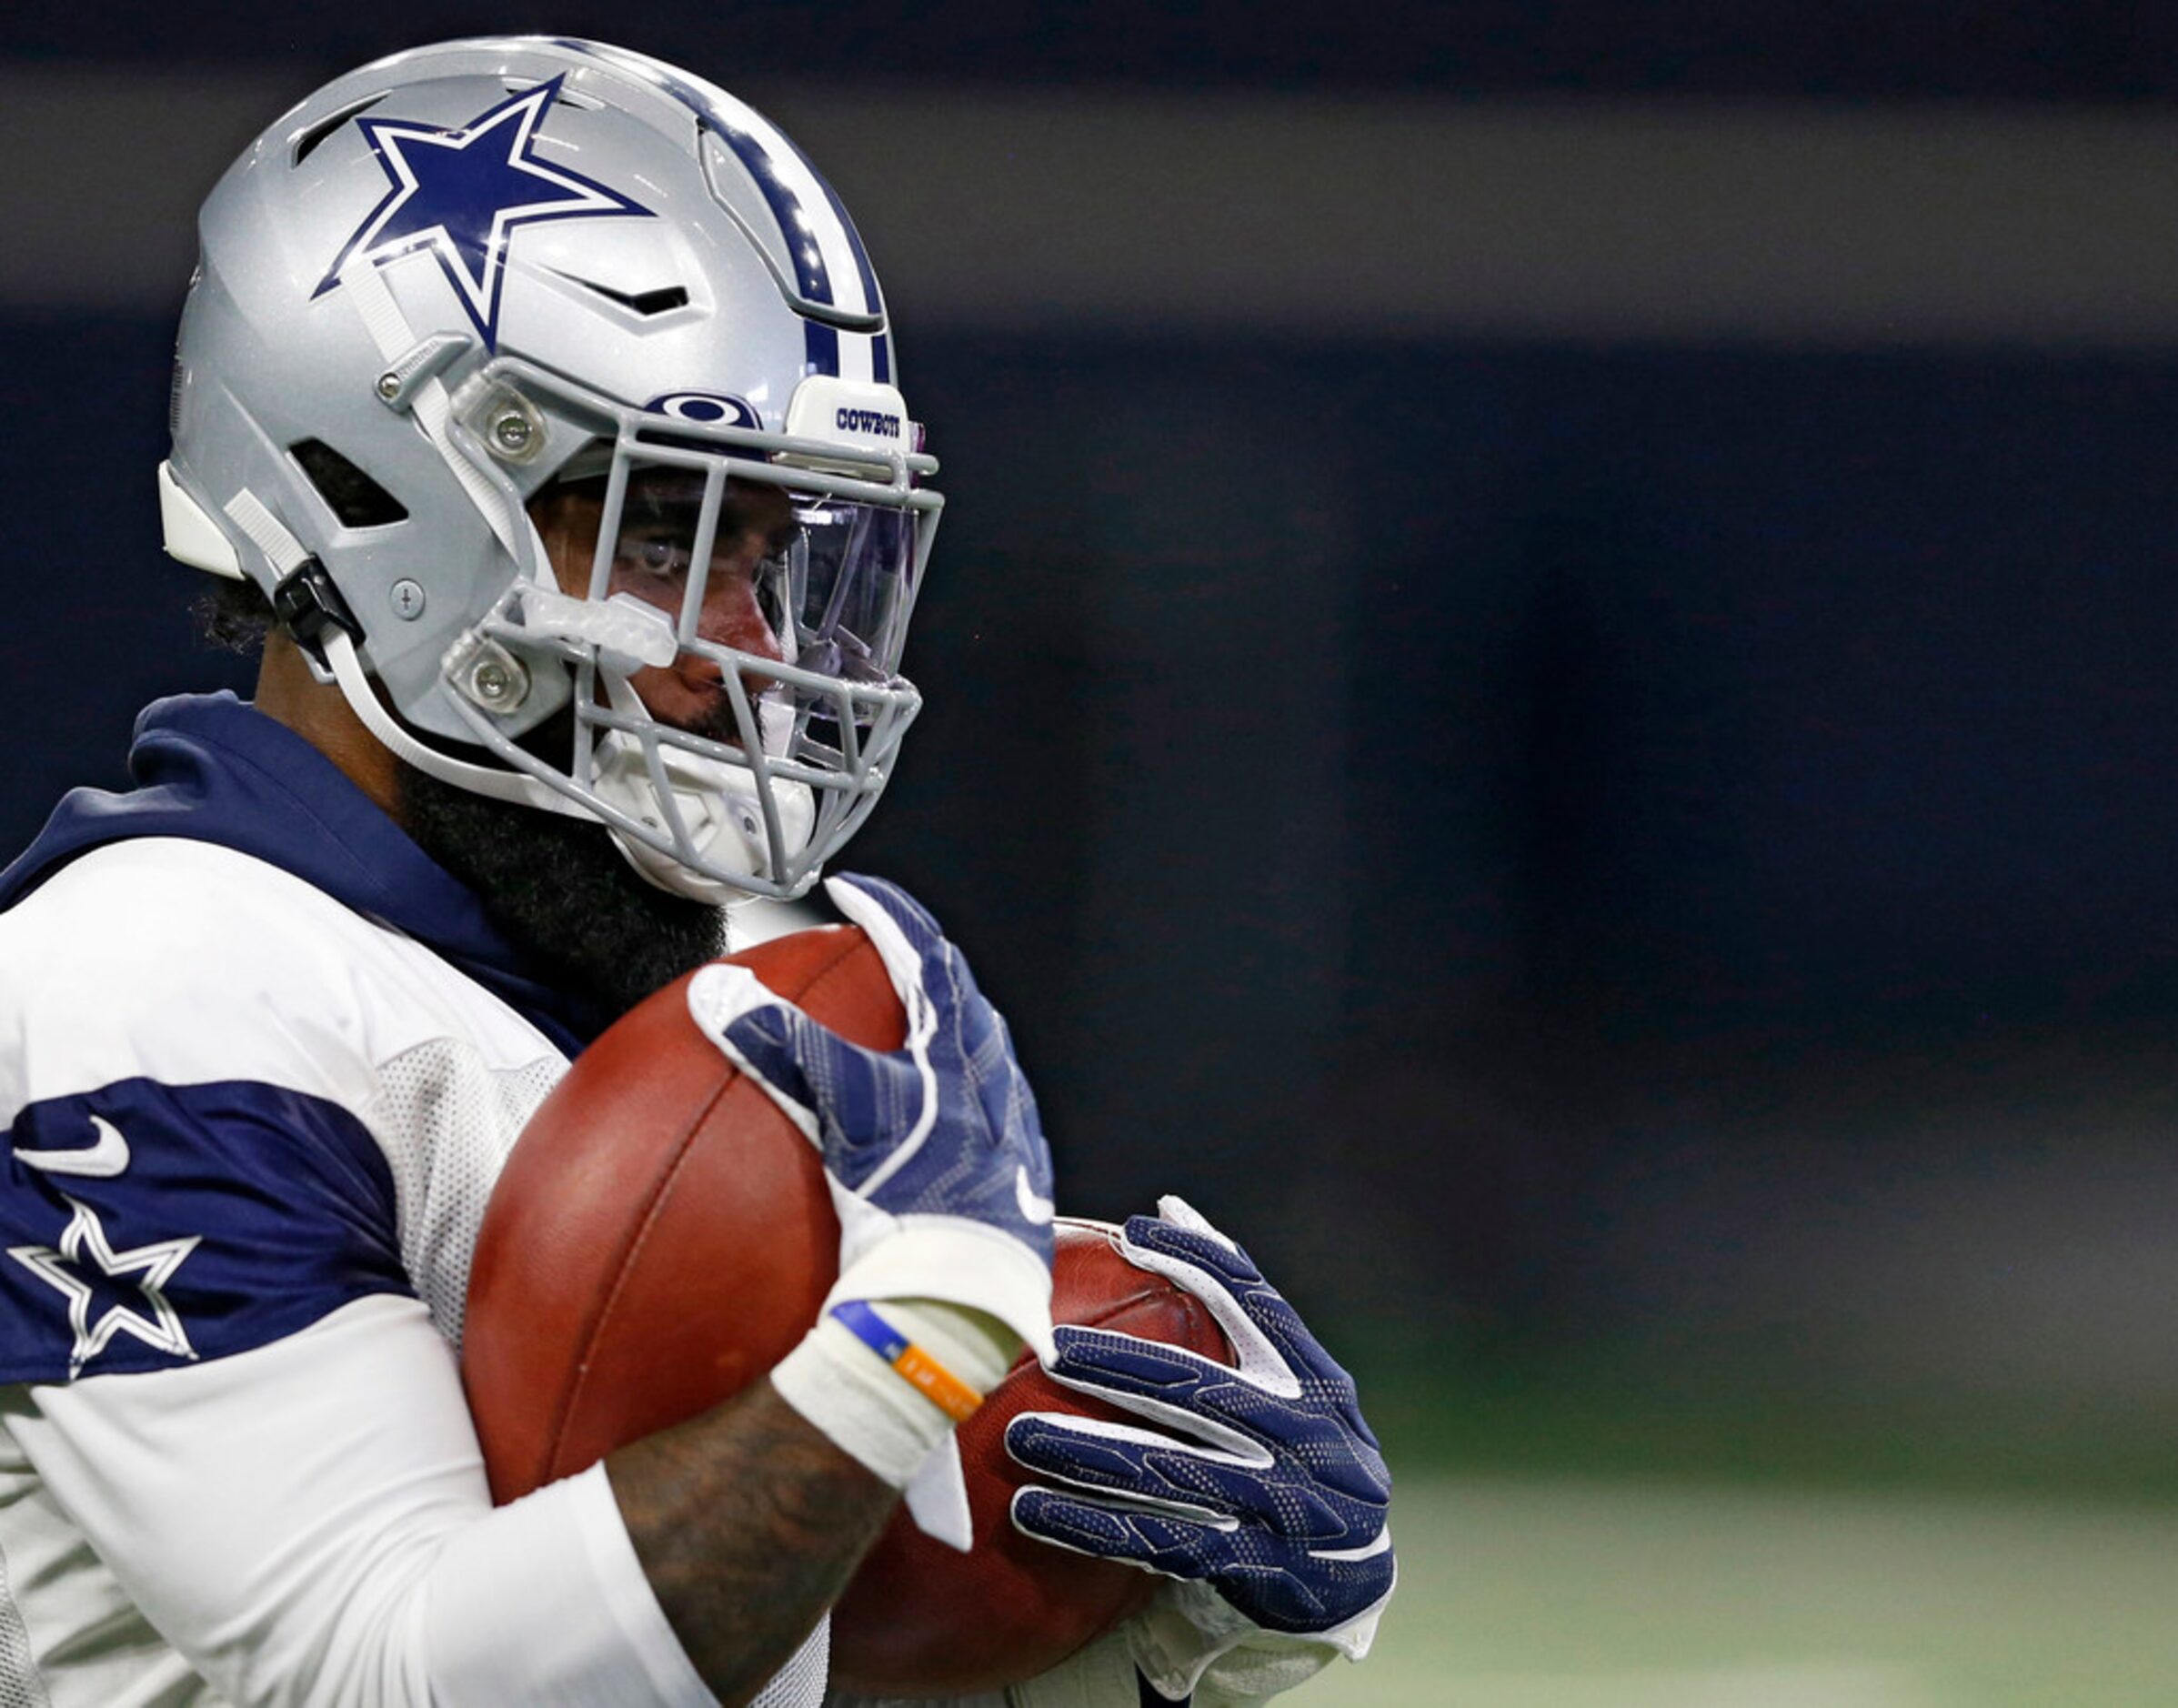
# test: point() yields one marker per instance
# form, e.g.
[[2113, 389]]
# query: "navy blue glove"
[[934, 1151], [1262, 1482]]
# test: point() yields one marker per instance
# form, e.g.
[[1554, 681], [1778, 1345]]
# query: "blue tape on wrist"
[[867, 1327]]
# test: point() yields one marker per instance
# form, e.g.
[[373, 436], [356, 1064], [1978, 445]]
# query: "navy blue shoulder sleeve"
[[146, 1226]]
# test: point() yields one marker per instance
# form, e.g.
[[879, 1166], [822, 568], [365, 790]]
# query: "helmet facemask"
[[733, 656]]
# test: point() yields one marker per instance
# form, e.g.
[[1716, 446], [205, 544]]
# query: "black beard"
[[559, 890]]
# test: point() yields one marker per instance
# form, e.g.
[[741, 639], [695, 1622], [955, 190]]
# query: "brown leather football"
[[662, 1234]]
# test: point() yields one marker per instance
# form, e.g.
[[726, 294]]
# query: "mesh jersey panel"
[[800, 1682], [445, 1121], [19, 1684]]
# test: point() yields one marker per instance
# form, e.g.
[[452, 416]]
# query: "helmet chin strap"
[[482, 780]]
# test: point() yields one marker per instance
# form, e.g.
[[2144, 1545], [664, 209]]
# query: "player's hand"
[[1262, 1482], [934, 1152]]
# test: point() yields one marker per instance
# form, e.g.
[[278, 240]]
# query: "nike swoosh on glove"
[[1263, 1481], [934, 1152]]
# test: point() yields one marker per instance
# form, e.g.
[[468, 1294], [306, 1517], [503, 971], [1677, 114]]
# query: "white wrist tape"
[[888, 1408]]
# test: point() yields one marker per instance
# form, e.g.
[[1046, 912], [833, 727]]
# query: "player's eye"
[[660, 558]]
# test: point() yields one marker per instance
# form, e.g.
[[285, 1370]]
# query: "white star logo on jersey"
[[84, 1246]]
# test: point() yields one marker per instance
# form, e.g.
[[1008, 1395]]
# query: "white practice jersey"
[[252, 1130]]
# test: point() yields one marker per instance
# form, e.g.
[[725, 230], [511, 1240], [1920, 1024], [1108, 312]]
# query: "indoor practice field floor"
[[1546, 1592]]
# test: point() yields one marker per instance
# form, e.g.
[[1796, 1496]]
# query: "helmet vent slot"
[[304, 142], [353, 497], [663, 300]]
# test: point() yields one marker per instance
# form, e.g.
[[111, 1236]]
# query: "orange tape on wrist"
[[938, 1384]]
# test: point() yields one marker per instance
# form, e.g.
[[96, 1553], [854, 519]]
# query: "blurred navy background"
[[1549, 665]]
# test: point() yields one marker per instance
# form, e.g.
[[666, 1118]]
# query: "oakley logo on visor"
[[712, 409]]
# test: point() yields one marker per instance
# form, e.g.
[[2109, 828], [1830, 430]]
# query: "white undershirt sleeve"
[[309, 1522], [569, 1653]]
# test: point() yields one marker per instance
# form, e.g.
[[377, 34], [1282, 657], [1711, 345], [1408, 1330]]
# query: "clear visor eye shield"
[[734, 703]]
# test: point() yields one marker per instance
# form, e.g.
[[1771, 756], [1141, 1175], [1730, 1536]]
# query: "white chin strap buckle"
[[720, 810]]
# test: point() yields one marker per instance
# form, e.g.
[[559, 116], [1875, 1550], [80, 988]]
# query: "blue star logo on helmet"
[[462, 192]]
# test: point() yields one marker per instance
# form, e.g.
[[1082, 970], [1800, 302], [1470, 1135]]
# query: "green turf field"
[[1557, 1592]]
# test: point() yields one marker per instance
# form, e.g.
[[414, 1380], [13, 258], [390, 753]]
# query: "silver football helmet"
[[494, 279]]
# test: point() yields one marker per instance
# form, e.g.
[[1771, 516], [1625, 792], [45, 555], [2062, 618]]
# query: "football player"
[[536, 409]]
